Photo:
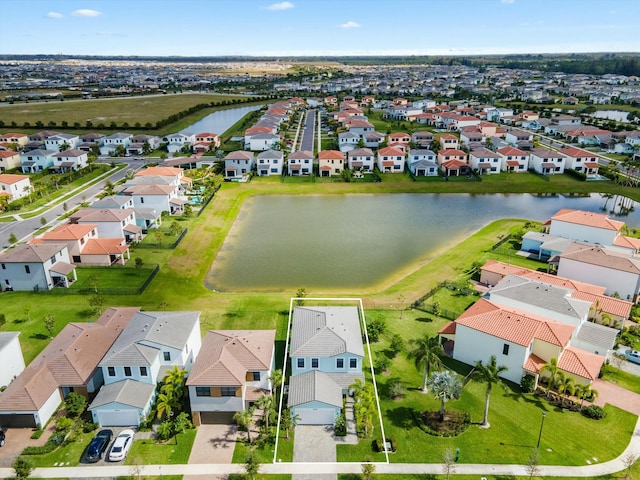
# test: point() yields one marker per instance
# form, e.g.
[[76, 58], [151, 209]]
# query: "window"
[[143, 371], [141, 199], [339, 362], [53, 259], [27, 269], [505, 349], [228, 391], [4, 267], [353, 363], [167, 356], [301, 363], [203, 392], [76, 259], [111, 371], [275, 161], [127, 371], [314, 363], [256, 376]]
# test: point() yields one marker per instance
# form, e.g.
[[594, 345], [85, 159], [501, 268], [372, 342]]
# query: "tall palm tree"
[[165, 405], [174, 380], [364, 407], [566, 386], [584, 392], [554, 373], [489, 374], [276, 380], [265, 402], [445, 386], [244, 419], [426, 353]]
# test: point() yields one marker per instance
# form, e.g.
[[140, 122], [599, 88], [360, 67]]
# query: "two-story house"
[[111, 222], [390, 160], [361, 159], [422, 139], [111, 142], [57, 142], [547, 162], [11, 357], [453, 162], [326, 358], [422, 162], [177, 141], [70, 160], [269, 162], [513, 159], [151, 344], [36, 267], [14, 186], [35, 161], [330, 162], [484, 161], [300, 163], [231, 372], [238, 164], [582, 161], [9, 160]]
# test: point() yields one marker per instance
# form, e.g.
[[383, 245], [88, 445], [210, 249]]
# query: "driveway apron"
[[314, 443]]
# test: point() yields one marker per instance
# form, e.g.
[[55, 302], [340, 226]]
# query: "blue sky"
[[317, 27]]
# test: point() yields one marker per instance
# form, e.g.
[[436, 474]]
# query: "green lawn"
[[621, 378], [71, 453], [108, 279], [174, 451]]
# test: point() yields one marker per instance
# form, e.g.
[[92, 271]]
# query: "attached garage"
[[316, 416], [215, 418], [18, 420], [118, 418]]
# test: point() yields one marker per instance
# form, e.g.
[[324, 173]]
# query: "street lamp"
[[541, 425]]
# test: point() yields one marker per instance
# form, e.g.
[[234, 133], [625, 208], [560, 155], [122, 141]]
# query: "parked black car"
[[2, 435], [98, 445]]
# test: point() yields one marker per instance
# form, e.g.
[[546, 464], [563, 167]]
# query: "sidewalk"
[[606, 468]]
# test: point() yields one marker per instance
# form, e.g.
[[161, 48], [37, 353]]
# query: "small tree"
[[300, 294], [375, 328], [445, 386], [164, 431], [174, 228], [3, 320], [244, 419], [96, 302], [139, 263], [188, 211], [448, 462], [426, 353], [182, 423], [368, 469], [288, 421], [251, 465], [13, 239], [397, 344], [22, 468], [532, 463], [75, 404], [276, 380], [628, 460], [50, 323]]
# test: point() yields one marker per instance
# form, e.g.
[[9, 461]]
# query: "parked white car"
[[632, 356], [121, 446]]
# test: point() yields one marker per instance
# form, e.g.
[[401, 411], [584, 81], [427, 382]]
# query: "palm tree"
[[276, 380], [566, 386], [265, 402], [175, 378], [165, 405], [426, 353], [244, 419], [445, 386], [554, 373], [288, 421], [584, 392], [489, 374], [364, 408]]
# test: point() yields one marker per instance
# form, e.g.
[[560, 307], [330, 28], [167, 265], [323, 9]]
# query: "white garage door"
[[118, 418], [315, 416]]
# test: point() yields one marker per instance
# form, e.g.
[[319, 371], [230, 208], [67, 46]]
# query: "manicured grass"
[[146, 109], [106, 279], [623, 379], [71, 453], [175, 451]]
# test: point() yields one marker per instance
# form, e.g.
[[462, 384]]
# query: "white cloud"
[[54, 15], [508, 2], [350, 24], [280, 6], [85, 12]]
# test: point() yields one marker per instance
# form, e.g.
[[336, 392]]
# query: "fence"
[[207, 200], [169, 246]]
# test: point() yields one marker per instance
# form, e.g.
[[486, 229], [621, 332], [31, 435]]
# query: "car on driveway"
[[2, 436], [121, 446], [98, 445], [632, 356]]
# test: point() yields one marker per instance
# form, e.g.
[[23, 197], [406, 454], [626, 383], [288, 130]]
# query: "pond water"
[[617, 115], [220, 121], [281, 242]]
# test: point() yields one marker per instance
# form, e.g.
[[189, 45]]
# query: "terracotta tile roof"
[[580, 362], [69, 360], [160, 171], [239, 155], [452, 152], [104, 246], [69, 231], [534, 363], [102, 214], [627, 242], [390, 152], [590, 219], [578, 153], [516, 327], [448, 329], [10, 178], [8, 153], [330, 155], [507, 151], [150, 189], [227, 355], [454, 164], [513, 163]]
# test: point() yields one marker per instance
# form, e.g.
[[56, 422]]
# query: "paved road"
[[24, 229], [308, 131]]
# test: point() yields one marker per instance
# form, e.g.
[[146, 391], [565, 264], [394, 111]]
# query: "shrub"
[[22, 468], [64, 424], [37, 434], [182, 423], [54, 442], [594, 412], [164, 432], [340, 427], [397, 389], [75, 404], [397, 344], [90, 427], [375, 328], [528, 383], [381, 363]]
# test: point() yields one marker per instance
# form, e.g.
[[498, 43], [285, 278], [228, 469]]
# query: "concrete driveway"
[[314, 443], [214, 444], [16, 440]]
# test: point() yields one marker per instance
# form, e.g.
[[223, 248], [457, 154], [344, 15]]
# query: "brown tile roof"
[[596, 255], [150, 189], [8, 153], [69, 231], [28, 253], [589, 219], [227, 355], [390, 151], [102, 214], [69, 360], [104, 246], [506, 151], [330, 155]]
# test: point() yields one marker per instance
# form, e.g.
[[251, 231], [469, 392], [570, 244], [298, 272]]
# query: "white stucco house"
[[36, 267], [11, 357], [14, 186], [513, 160], [238, 163], [547, 162], [300, 162], [269, 162]]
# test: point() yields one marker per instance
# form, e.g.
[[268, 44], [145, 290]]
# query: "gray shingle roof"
[[326, 332], [598, 335], [313, 386], [126, 392]]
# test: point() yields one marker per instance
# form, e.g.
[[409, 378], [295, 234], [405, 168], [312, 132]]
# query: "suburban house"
[[19, 139], [326, 358], [348, 141], [373, 139], [513, 159], [8, 160], [399, 137], [422, 162], [141, 143], [113, 201], [581, 161], [111, 142], [60, 140], [263, 141], [453, 162], [162, 198], [472, 136], [36, 267], [518, 137], [159, 176], [11, 358], [300, 162], [390, 160], [238, 164], [547, 162], [330, 163], [448, 141], [206, 141], [422, 139], [269, 162], [68, 364], [69, 160], [75, 236], [146, 218], [35, 161], [361, 159], [484, 161], [618, 272], [177, 141], [14, 186], [591, 227], [150, 344], [231, 372], [521, 341], [111, 222]]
